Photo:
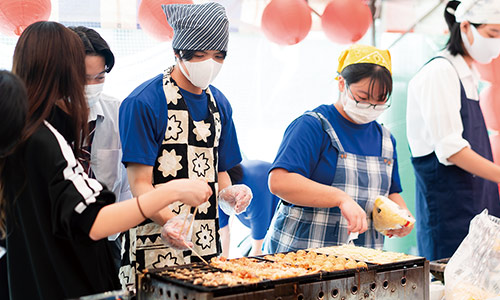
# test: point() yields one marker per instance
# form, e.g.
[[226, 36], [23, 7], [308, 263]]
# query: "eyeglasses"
[[366, 105], [98, 77]]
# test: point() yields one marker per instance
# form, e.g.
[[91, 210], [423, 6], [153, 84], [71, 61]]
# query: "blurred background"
[[281, 61]]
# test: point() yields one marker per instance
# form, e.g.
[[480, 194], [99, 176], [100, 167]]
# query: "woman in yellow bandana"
[[335, 160]]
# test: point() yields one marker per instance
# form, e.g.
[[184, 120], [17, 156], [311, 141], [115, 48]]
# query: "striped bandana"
[[198, 26]]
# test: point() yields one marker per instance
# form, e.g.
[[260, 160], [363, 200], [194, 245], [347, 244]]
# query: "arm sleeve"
[[125, 192], [302, 146], [140, 131], [395, 180], [223, 218], [229, 149], [71, 193], [439, 100], [261, 214]]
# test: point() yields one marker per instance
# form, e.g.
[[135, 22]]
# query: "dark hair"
[[377, 74], [94, 44], [236, 174], [188, 54], [13, 109], [455, 44], [50, 59]]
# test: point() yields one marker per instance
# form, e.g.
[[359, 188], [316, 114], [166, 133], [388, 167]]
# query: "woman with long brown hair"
[[57, 218]]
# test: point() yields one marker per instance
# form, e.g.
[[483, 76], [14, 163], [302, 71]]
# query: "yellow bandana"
[[359, 54]]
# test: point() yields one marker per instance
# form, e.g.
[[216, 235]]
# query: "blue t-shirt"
[[143, 121], [259, 213], [306, 148]]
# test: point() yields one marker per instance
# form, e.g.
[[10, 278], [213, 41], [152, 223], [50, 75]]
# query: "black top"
[[52, 205]]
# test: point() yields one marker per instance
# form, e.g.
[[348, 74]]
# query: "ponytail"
[[454, 44]]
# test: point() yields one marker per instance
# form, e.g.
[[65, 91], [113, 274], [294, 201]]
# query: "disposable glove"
[[235, 199], [177, 232]]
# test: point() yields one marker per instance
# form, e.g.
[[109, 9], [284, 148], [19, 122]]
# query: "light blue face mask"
[[93, 93]]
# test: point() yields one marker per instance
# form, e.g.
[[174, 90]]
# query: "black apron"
[[189, 150]]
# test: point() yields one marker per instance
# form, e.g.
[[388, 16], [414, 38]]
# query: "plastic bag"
[[473, 271], [177, 232], [388, 215], [235, 199]]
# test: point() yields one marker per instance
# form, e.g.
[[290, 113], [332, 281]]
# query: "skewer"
[[194, 215], [195, 253], [192, 220], [182, 227], [187, 231]]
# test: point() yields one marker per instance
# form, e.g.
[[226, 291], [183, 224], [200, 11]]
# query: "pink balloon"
[[490, 105], [490, 72], [346, 21], [286, 22], [16, 15], [153, 20]]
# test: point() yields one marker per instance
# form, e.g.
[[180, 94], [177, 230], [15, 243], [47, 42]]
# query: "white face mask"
[[358, 114], [201, 73], [483, 50], [93, 93]]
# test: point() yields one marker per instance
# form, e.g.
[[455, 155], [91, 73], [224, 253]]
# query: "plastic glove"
[[235, 199], [171, 232]]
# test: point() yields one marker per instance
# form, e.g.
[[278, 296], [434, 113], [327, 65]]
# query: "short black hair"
[[94, 44], [13, 109], [377, 74], [455, 44], [188, 54]]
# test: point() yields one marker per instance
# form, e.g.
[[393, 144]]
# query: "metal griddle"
[[400, 280]]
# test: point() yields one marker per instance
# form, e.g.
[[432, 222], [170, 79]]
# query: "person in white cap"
[[451, 153], [177, 125]]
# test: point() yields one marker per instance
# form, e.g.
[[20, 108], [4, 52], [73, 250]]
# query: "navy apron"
[[448, 197]]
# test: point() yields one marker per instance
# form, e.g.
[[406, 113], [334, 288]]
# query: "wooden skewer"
[[192, 220], [185, 218], [195, 253], [187, 231]]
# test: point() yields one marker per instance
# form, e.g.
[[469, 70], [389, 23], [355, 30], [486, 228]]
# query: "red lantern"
[[16, 15], [346, 21], [153, 20], [286, 22], [490, 72], [490, 106]]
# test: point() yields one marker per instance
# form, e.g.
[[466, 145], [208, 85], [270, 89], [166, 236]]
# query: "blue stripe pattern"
[[361, 177], [198, 26]]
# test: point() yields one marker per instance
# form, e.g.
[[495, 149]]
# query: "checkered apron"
[[361, 177], [189, 150]]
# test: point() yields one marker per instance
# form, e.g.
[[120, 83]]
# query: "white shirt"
[[433, 120], [106, 151]]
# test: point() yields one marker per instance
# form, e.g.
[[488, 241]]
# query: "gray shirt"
[[106, 153]]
